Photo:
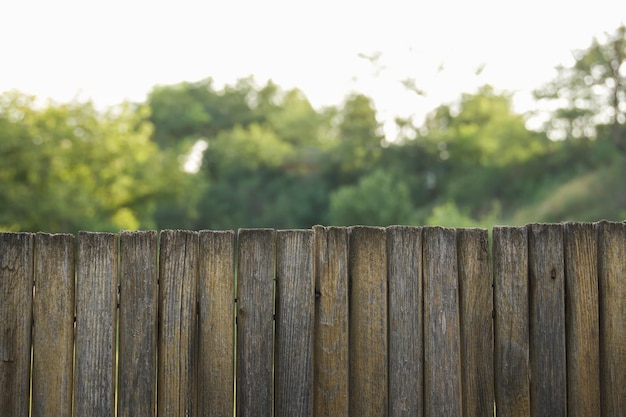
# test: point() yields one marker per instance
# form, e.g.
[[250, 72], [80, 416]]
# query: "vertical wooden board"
[[178, 267], [53, 325], [295, 295], [331, 322], [548, 385], [511, 325], [96, 305], [368, 322], [476, 298], [612, 296], [16, 297], [406, 348], [582, 320], [255, 309], [138, 315], [442, 349], [216, 292]]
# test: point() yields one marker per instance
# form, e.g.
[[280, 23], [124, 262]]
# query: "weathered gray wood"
[[548, 384], [442, 350], [406, 347], [582, 320], [476, 298], [178, 270], [612, 295], [96, 305], [255, 309], [216, 292], [53, 325], [511, 326], [331, 322], [368, 322], [138, 315], [295, 304], [16, 297]]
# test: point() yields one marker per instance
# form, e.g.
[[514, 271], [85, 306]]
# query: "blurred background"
[[204, 115]]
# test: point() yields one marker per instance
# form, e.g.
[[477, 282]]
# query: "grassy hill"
[[592, 196]]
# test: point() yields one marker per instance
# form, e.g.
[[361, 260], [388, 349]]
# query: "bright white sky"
[[114, 50]]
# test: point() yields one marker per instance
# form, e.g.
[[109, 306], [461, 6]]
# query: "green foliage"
[[449, 215], [264, 198], [377, 200], [484, 131], [591, 92], [590, 196], [359, 137], [68, 167], [272, 160], [248, 148]]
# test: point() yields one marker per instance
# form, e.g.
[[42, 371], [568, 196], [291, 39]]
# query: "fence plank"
[[96, 305], [138, 317], [442, 350], [406, 351], [582, 320], [612, 295], [331, 322], [368, 321], [476, 299], [548, 385], [511, 325], [255, 308], [177, 316], [16, 297], [216, 291], [53, 325], [295, 302]]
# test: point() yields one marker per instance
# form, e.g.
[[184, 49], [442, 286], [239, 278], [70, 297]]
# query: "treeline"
[[247, 155]]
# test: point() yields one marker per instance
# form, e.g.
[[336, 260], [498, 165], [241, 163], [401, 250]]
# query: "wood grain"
[[216, 292], [511, 325], [406, 345], [138, 316], [331, 322], [612, 296], [96, 306], [295, 306], [16, 298], [548, 384], [368, 322], [442, 350], [53, 325], [178, 268], [255, 309], [582, 320], [476, 298]]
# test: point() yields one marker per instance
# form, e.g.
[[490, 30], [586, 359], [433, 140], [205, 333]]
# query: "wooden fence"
[[396, 321]]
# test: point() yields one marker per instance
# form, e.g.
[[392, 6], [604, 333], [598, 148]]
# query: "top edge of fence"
[[363, 227], [133, 232], [218, 231], [598, 223], [53, 235], [89, 233], [286, 231], [245, 230], [17, 234]]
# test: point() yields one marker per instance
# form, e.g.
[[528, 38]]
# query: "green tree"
[[359, 135], [197, 109], [377, 200], [65, 167], [481, 130], [473, 153], [591, 92]]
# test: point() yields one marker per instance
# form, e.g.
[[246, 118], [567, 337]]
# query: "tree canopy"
[[267, 158]]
